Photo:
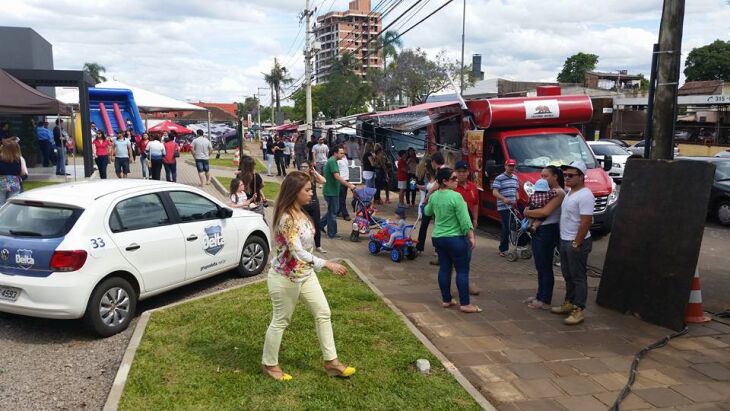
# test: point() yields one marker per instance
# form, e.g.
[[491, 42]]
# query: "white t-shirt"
[[320, 153], [575, 204], [343, 165], [202, 148], [241, 198]]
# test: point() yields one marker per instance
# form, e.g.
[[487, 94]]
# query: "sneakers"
[[564, 309], [575, 317]]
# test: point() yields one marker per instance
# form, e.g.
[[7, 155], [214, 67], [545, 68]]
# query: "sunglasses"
[[570, 175]]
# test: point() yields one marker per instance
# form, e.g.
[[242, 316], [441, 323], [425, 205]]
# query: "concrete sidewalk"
[[524, 359]]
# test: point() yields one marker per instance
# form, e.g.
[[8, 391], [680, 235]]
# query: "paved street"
[[520, 359]]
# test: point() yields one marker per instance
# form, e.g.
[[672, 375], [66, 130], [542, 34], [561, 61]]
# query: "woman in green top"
[[453, 238]]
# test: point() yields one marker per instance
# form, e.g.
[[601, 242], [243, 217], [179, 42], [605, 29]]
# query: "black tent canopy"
[[17, 97]]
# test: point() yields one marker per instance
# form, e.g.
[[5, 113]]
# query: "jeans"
[[574, 265], [155, 168], [423, 231], [453, 252], [101, 163], [313, 210], [284, 296], [544, 242], [143, 160], [170, 172], [280, 166], [342, 210], [61, 160], [46, 149], [504, 238], [329, 221]]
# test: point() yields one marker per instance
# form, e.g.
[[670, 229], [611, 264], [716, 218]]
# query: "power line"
[[408, 19]]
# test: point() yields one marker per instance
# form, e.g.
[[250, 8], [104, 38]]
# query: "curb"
[[218, 186], [450, 367], [115, 394]]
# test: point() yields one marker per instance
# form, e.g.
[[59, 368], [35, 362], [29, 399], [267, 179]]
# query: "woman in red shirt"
[[142, 148], [168, 161], [100, 147]]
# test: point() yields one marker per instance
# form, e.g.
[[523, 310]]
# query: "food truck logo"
[[540, 109]]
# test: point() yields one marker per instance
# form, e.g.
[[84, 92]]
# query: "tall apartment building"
[[351, 30]]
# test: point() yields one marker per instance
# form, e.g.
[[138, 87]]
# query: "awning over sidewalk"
[[287, 127], [412, 118], [19, 98]]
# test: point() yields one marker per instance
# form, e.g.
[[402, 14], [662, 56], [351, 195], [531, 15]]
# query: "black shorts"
[[202, 165], [121, 165]]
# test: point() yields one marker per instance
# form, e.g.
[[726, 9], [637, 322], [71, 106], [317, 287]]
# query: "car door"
[[211, 242], [143, 230]]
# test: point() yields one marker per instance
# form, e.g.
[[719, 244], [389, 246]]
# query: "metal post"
[[670, 45], [463, 32], [308, 72], [258, 111], [650, 104], [85, 134]]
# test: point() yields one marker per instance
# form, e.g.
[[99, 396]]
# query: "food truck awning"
[[415, 117]]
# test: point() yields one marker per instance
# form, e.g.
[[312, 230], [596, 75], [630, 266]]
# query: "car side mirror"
[[225, 212], [607, 162]]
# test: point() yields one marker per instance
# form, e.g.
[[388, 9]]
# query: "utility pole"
[[463, 32], [665, 98], [308, 70], [258, 110]]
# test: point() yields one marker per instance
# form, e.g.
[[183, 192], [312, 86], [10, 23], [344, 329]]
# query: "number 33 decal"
[[97, 243]]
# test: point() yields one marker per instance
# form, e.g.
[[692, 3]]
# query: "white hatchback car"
[[619, 156], [93, 249]]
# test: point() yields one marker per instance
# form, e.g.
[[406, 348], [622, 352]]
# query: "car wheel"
[[111, 307], [253, 257], [723, 212]]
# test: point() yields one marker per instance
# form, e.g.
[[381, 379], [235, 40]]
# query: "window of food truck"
[[538, 151]]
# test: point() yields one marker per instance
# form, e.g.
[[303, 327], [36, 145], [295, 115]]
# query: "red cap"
[[510, 162]]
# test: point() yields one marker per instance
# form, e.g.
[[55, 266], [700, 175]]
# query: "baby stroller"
[[519, 245], [403, 245], [364, 213]]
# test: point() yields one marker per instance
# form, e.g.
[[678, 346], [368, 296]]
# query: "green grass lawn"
[[226, 161], [29, 185], [207, 354], [271, 188]]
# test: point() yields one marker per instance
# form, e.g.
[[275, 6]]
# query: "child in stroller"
[[364, 213], [395, 238]]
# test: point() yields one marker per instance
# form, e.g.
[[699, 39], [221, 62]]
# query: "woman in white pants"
[[292, 275]]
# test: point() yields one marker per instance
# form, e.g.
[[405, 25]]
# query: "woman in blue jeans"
[[453, 238], [545, 239]]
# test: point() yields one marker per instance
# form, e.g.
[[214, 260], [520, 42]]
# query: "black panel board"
[[656, 238]]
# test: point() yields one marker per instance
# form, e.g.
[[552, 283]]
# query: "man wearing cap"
[[575, 242], [504, 189], [468, 190]]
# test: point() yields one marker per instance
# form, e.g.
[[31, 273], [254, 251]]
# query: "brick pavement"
[[523, 359]]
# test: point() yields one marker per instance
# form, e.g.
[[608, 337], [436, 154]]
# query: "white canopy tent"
[[147, 101]]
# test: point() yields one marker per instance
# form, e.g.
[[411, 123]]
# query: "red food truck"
[[536, 132]]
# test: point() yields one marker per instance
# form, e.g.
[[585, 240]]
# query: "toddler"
[[238, 197], [396, 229], [542, 195]]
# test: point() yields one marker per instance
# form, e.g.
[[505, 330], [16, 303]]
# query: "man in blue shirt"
[[504, 189], [45, 143]]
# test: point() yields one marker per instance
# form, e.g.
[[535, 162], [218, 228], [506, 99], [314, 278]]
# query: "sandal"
[[472, 309], [502, 254], [277, 374], [335, 371], [449, 304]]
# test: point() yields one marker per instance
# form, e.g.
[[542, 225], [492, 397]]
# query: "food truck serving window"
[[539, 151]]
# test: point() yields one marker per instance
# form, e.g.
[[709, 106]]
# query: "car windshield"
[[23, 220], [722, 170], [538, 151], [609, 150]]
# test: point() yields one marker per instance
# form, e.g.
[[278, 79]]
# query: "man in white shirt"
[[320, 153], [343, 165], [202, 148], [576, 217]]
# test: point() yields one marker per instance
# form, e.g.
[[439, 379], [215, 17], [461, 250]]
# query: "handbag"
[[11, 184], [259, 208]]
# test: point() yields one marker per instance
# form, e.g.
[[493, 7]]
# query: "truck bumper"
[[602, 222]]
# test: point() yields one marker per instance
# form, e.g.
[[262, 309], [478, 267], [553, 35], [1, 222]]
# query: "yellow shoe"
[[565, 309], [278, 375], [346, 373]]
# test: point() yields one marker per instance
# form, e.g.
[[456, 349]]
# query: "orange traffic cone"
[[695, 311], [236, 159]]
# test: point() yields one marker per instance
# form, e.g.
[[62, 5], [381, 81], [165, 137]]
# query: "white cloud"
[[217, 49]]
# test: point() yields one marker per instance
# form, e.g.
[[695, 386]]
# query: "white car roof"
[[84, 193]]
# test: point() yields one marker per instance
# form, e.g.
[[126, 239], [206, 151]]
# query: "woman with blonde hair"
[[293, 275], [11, 169]]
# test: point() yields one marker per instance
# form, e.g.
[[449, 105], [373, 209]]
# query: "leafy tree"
[[344, 93], [277, 78], [299, 97], [710, 62], [417, 76], [576, 66], [95, 71]]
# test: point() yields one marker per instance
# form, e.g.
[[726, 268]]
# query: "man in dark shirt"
[[59, 140], [278, 149]]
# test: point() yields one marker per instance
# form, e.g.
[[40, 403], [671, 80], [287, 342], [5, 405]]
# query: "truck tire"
[[111, 307], [722, 212]]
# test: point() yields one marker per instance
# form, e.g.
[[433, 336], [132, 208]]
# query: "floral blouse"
[[294, 242]]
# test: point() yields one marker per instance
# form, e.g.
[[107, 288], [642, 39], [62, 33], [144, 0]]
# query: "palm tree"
[[95, 71], [391, 44], [276, 79]]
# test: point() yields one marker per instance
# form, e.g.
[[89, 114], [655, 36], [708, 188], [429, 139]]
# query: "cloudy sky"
[[216, 50]]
